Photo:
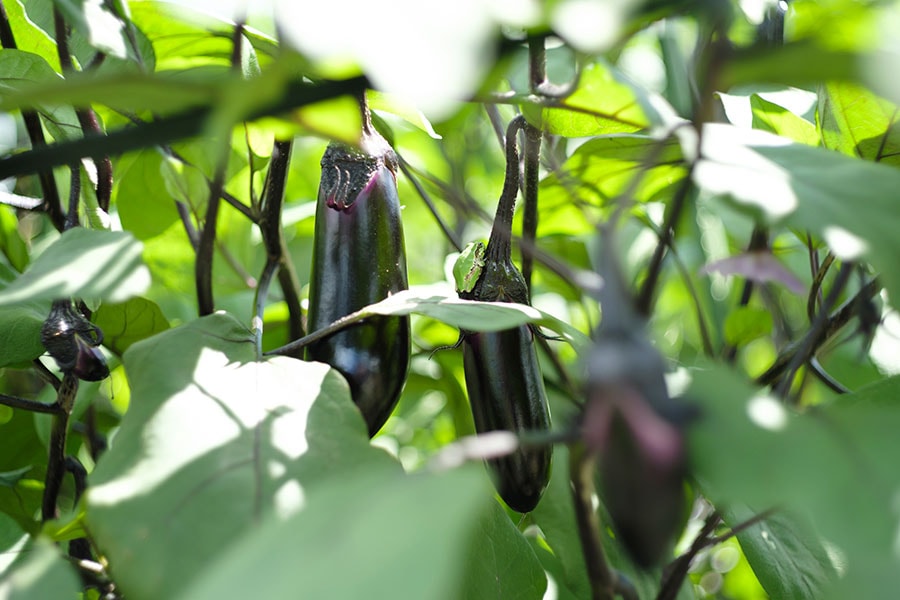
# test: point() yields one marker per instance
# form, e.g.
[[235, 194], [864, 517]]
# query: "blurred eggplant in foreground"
[[633, 426], [359, 259]]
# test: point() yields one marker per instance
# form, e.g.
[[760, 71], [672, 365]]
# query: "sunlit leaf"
[[39, 572], [213, 442], [83, 263], [129, 322], [858, 123], [776, 119]]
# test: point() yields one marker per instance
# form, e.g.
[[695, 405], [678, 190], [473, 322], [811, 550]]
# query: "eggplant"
[[634, 427], [359, 259], [503, 377], [74, 342]]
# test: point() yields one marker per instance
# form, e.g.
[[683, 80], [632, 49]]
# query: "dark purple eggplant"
[[634, 427], [503, 377], [359, 259], [74, 342]]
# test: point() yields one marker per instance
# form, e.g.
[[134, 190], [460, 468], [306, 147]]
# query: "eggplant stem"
[[499, 244]]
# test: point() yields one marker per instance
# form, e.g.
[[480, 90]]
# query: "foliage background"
[[227, 475]]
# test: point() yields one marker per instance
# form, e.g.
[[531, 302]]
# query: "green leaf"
[[212, 443], [11, 243], [599, 171], [500, 563], [436, 303], [83, 263], [747, 323], [601, 104], [852, 204], [20, 332], [129, 322], [825, 465], [40, 572], [372, 535], [788, 559], [145, 207], [776, 119], [11, 478], [858, 123], [22, 71], [92, 18]]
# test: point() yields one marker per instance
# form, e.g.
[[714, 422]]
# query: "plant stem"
[[87, 118], [56, 464], [206, 246], [499, 244], [581, 472], [31, 405]]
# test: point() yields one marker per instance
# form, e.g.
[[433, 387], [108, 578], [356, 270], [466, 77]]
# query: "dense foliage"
[[707, 226]]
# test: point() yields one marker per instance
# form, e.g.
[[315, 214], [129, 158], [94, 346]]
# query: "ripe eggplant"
[[359, 259], [503, 377]]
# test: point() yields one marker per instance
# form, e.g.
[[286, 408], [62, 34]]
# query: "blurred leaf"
[[337, 119], [39, 572], [400, 108], [373, 535], [776, 119], [852, 204], [129, 322], [212, 443], [798, 64], [601, 104], [11, 478], [11, 243], [858, 123], [746, 323], [826, 464], [22, 71], [83, 263], [789, 560], [500, 563], [760, 267], [103, 30], [20, 332]]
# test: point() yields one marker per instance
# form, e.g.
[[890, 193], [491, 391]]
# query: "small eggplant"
[[359, 259], [503, 377], [74, 342]]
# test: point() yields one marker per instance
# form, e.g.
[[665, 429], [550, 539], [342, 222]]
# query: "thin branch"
[[87, 118], [51, 203], [809, 344], [74, 196], [423, 194], [838, 319], [581, 472], [183, 125], [531, 155], [676, 571], [56, 464], [206, 247], [30, 405]]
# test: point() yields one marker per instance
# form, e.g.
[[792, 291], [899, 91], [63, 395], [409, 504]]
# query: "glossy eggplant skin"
[[506, 392], [359, 259]]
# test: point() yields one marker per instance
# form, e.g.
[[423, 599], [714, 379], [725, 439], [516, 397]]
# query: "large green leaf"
[[21, 71], [212, 443], [856, 122], [39, 572], [828, 466], [789, 560], [776, 119], [500, 563], [852, 204], [372, 535], [601, 104], [84, 263]]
